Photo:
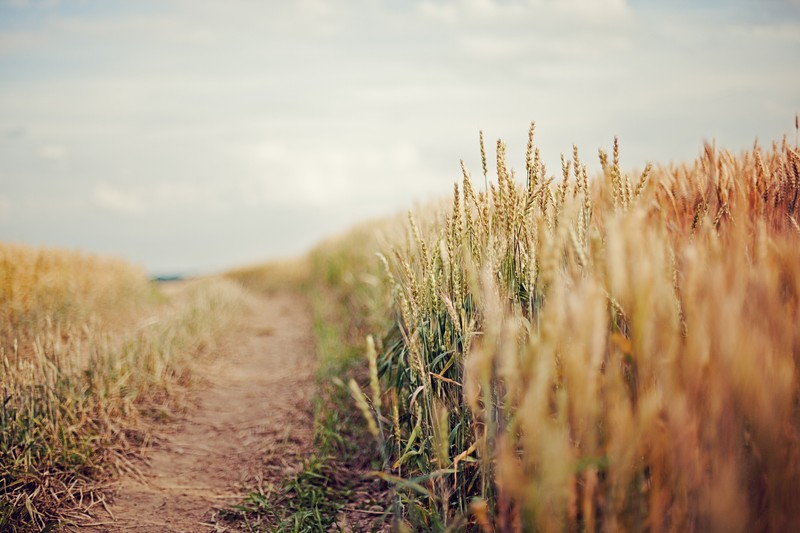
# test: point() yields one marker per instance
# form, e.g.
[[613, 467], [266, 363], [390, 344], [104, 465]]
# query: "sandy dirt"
[[250, 425]]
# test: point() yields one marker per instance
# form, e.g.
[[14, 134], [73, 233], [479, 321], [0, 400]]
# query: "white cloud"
[[484, 12], [22, 4], [116, 200], [491, 46], [164, 196], [460, 11], [316, 8], [517, 33], [593, 9], [12, 42], [270, 150], [53, 152], [787, 31], [318, 175], [5, 208]]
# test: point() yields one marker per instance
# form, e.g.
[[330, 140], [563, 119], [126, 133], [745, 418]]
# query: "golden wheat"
[[619, 358]]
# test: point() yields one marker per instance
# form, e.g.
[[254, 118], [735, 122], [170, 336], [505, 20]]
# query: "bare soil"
[[249, 426]]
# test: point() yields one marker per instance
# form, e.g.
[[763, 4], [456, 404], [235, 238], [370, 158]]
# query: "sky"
[[192, 136]]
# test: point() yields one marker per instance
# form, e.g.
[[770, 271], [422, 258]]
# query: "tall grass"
[[615, 352], [87, 346]]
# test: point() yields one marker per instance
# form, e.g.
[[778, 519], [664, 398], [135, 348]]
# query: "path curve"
[[249, 426]]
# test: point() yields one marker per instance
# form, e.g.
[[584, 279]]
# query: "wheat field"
[[597, 351], [614, 352]]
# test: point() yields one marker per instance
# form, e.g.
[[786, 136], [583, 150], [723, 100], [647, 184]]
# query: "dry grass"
[[272, 277], [616, 353], [87, 345]]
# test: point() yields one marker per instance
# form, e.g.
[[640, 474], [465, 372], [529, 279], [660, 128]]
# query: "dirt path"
[[249, 426]]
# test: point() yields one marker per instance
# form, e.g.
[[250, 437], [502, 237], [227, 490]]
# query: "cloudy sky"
[[190, 136]]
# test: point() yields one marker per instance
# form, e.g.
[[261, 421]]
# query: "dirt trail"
[[250, 425]]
